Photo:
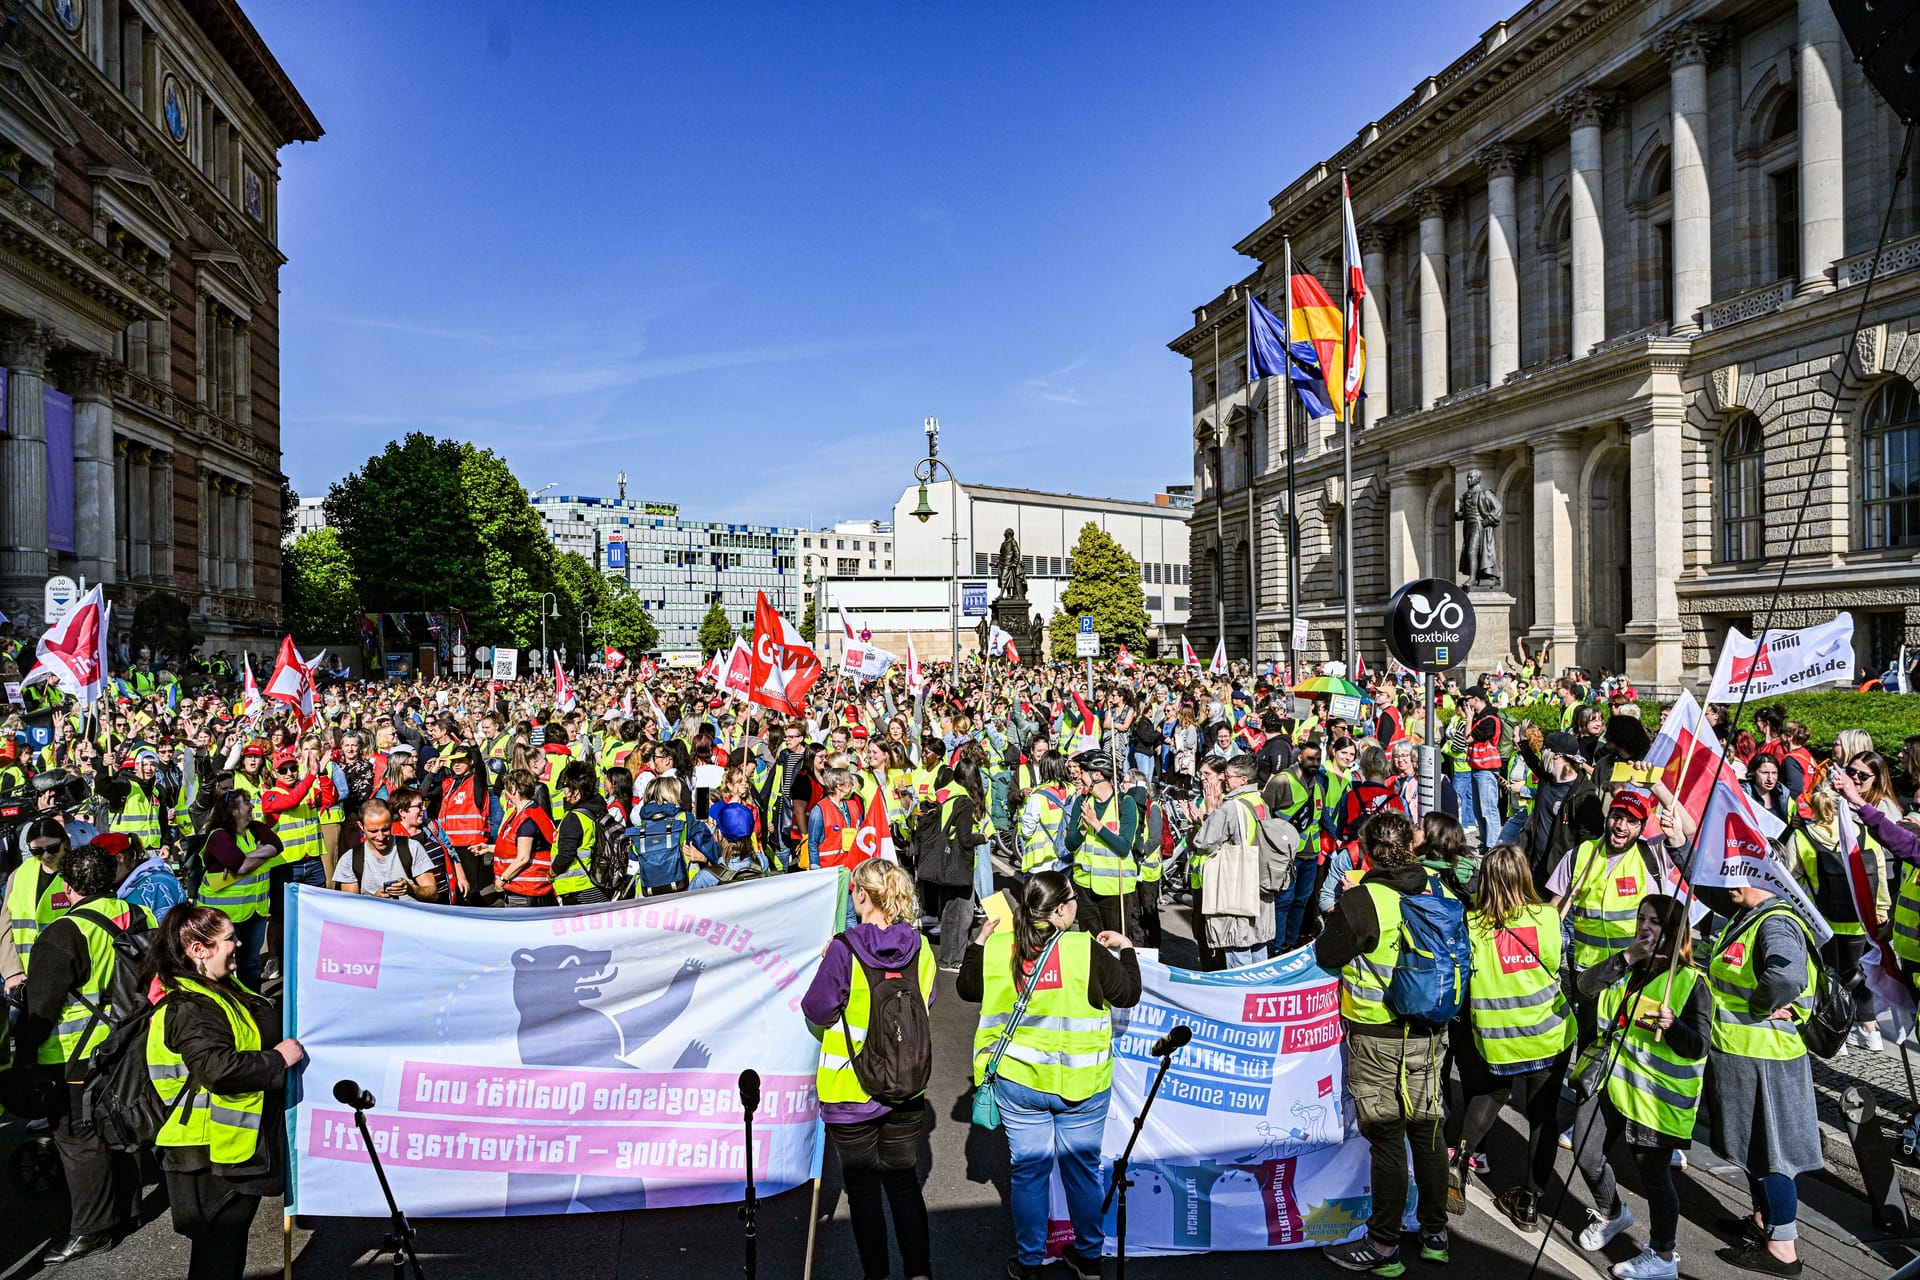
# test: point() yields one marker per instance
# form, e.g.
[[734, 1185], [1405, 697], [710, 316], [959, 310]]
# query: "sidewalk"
[[1882, 1078]]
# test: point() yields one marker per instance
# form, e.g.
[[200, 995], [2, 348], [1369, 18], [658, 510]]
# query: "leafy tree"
[[628, 625], [1106, 584], [613, 605], [716, 633], [321, 598], [807, 623]]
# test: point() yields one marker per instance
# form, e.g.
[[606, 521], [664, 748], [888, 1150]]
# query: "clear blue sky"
[[741, 250]]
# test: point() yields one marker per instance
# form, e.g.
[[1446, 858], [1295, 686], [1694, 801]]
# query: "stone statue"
[[1013, 582], [1479, 515]]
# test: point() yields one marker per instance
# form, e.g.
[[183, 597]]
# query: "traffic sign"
[[483, 653], [1430, 625], [1086, 624], [459, 651], [1086, 645], [61, 593]]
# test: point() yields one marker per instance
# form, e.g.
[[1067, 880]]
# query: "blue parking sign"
[[1086, 624]]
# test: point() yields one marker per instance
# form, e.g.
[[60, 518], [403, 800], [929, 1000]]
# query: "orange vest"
[[536, 878], [463, 821]]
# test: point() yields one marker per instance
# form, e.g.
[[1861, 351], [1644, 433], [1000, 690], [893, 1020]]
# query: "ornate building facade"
[[1614, 255], [139, 307]]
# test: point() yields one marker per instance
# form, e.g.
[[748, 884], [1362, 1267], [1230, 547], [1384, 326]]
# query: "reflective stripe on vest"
[[1810, 874], [227, 1124], [1097, 868], [1731, 977], [1904, 922], [464, 822], [1064, 1044], [1519, 1013], [27, 914], [575, 878], [1485, 755], [1650, 1084], [140, 816], [836, 1079], [1042, 848], [65, 1044], [299, 832], [536, 878], [1364, 979], [1606, 906], [240, 897]]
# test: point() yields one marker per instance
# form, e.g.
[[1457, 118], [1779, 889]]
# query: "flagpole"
[[1219, 497], [1286, 431], [1346, 425]]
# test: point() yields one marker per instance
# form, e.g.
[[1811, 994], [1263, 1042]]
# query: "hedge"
[[1889, 717]]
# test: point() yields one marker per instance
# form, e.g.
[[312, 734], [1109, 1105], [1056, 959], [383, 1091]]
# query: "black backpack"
[[116, 1094], [896, 1061]]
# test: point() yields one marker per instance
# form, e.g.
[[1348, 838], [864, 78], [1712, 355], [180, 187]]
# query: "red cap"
[[286, 755], [254, 748], [716, 704], [1631, 802], [858, 733]]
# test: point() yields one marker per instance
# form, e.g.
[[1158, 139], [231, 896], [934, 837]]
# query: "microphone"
[[348, 1093], [750, 1090], [1170, 1042]]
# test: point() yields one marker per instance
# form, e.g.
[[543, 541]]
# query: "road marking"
[[1571, 1260]]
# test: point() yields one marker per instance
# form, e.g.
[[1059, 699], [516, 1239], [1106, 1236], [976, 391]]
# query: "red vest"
[[837, 834], [536, 878], [1486, 755], [464, 822]]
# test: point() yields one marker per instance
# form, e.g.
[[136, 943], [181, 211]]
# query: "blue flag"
[[1266, 341]]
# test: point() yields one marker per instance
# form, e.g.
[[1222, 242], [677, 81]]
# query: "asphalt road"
[[966, 1183]]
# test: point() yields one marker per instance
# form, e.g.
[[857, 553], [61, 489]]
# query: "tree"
[[1106, 584], [807, 623], [716, 633], [322, 600], [614, 606]]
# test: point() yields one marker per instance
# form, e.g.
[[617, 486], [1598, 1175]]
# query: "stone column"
[[1556, 478], [1502, 162], [94, 379], [1406, 532], [1373, 259], [160, 514], [243, 374], [243, 539], [1431, 204], [1585, 111], [139, 515], [1822, 166], [1652, 635], [24, 346], [1688, 47]]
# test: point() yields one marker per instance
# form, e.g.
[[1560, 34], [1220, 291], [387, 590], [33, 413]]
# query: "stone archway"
[[1606, 560], [1518, 551]]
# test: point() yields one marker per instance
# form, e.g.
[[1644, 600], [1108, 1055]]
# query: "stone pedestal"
[[1013, 615], [1492, 633]]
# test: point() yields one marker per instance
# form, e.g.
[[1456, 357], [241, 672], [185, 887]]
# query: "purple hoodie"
[[896, 947]]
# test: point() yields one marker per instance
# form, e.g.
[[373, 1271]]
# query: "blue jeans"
[[1241, 959], [983, 870], [1486, 803], [1040, 1129], [1516, 825], [253, 940], [308, 871], [1463, 800], [1143, 760], [1290, 908]]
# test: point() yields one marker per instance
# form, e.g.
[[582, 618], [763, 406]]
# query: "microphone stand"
[[1121, 1180], [750, 1206], [400, 1235]]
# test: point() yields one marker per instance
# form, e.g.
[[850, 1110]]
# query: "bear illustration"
[[554, 987]]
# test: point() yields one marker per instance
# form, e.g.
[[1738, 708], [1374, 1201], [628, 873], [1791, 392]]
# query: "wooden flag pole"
[[813, 1221]]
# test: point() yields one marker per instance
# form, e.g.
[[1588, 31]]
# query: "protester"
[[386, 863], [523, 851], [1237, 931], [35, 896], [237, 854]]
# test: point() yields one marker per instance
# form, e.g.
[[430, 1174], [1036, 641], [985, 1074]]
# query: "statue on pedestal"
[[1479, 515], [1013, 580]]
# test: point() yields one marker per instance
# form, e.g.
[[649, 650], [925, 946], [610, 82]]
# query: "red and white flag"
[[73, 653], [292, 682], [648, 668], [250, 699], [1218, 667], [1123, 658], [1188, 658], [846, 627], [784, 665], [710, 671], [562, 691], [1787, 661], [737, 674], [614, 658], [626, 705], [1735, 849], [874, 837], [916, 678], [1689, 755], [1000, 645]]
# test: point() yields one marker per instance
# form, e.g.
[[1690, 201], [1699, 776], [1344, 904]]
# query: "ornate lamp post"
[[927, 471]]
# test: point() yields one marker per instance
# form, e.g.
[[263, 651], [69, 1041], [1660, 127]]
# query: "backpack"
[[656, 860], [896, 1061], [116, 1094], [1429, 980]]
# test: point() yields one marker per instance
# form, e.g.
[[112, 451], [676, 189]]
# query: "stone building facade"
[[1615, 253], [139, 307]]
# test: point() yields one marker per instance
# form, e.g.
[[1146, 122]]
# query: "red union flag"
[[736, 674], [73, 653], [784, 665], [614, 658], [292, 682], [249, 688], [1757, 667], [1735, 850]]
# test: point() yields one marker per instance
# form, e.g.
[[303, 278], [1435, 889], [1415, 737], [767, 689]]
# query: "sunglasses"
[[55, 847], [1860, 775]]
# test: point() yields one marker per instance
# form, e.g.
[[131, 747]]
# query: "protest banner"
[[570, 1059], [1251, 1143], [1786, 662]]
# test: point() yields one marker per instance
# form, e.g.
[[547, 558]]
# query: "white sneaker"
[[1566, 1138], [1871, 1039], [1679, 1160], [1600, 1229], [1648, 1265]]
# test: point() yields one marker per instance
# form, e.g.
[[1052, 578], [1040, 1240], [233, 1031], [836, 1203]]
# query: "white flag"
[[73, 653], [1188, 658], [1218, 667], [916, 678], [1788, 662]]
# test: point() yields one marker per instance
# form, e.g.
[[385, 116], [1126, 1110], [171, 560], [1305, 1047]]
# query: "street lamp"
[[586, 623], [546, 596], [927, 471]]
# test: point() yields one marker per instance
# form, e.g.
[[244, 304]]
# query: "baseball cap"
[[399, 749], [285, 756], [733, 821], [255, 748], [1562, 743], [1633, 803]]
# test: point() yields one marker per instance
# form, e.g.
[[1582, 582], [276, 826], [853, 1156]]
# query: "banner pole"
[[286, 1246], [813, 1220]]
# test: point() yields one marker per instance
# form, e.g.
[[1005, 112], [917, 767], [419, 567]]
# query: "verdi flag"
[[1783, 661]]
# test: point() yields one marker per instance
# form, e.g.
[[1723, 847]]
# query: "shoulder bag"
[[986, 1108]]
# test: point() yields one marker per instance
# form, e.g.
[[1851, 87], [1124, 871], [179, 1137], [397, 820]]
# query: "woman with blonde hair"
[[877, 1140], [1522, 1029]]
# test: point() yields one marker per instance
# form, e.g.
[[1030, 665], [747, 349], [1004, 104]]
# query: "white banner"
[[865, 661], [571, 1059], [1251, 1142], [1788, 662]]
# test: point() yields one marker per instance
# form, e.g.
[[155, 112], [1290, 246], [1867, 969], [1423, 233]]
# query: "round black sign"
[[1430, 625]]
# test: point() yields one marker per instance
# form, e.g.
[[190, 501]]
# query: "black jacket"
[[198, 1030], [947, 852], [1353, 929]]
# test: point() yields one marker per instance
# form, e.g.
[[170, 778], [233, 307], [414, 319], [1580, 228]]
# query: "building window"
[[889, 565], [1180, 604], [1786, 224], [806, 542], [1153, 604], [839, 544], [1742, 519], [979, 564], [1890, 489], [1026, 565], [1056, 566], [1663, 281]]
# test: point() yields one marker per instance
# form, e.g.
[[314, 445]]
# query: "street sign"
[[483, 653], [973, 599], [533, 658], [459, 651], [1086, 644], [1430, 625], [61, 593], [1086, 624], [506, 664]]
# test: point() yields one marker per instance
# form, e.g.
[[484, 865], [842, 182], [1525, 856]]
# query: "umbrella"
[[1329, 686]]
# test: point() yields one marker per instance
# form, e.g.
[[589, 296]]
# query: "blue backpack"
[[1429, 981], [658, 833]]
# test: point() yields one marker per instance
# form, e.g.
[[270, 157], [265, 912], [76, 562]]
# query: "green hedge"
[[1888, 717]]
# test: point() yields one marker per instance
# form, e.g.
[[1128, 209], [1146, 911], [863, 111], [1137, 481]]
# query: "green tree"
[[628, 625], [807, 623], [321, 598], [716, 633], [1106, 584]]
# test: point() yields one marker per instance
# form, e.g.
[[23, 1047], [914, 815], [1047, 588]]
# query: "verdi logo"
[[349, 955], [1519, 949]]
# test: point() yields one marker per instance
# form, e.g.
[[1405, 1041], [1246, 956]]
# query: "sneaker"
[[1648, 1265], [1753, 1256], [1456, 1188], [1018, 1270], [1522, 1207], [1867, 1038], [1433, 1245], [1363, 1255], [1478, 1163], [1082, 1268], [1600, 1229], [1742, 1230], [1566, 1138], [1679, 1160]]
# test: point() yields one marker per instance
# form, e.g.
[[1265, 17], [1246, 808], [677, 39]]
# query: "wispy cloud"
[[1052, 388]]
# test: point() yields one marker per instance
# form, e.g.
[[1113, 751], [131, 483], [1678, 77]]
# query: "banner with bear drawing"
[[565, 1060], [1251, 1142]]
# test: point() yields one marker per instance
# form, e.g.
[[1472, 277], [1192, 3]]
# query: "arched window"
[[1743, 533], [1890, 455]]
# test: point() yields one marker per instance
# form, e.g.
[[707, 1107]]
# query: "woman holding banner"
[[1046, 1041], [878, 1143]]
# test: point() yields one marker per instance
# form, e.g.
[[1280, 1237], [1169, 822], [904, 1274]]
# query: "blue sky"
[[741, 251]]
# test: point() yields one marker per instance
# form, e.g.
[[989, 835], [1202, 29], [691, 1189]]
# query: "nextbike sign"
[[1430, 625]]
